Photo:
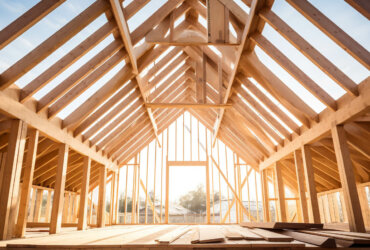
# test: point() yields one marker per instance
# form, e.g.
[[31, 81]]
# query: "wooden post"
[[48, 206], [208, 194], [112, 195], [347, 177], [301, 188], [82, 214], [280, 192], [32, 204], [311, 185], [36, 216], [101, 202], [11, 178], [27, 182], [66, 202], [167, 189], [56, 211], [116, 203], [265, 194]]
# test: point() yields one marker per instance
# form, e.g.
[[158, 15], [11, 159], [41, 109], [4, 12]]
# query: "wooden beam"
[[58, 198], [27, 20], [347, 177], [311, 185], [348, 110], [187, 163], [250, 27], [10, 106], [361, 6], [11, 178], [309, 51], [101, 200], [82, 214], [301, 187], [187, 105], [333, 31], [280, 192], [17, 70], [294, 71], [29, 167], [63, 63], [124, 31]]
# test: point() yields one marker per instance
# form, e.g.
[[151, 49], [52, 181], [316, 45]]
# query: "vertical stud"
[[302, 207], [56, 211], [82, 214], [347, 178], [101, 203], [11, 177], [27, 182], [311, 185]]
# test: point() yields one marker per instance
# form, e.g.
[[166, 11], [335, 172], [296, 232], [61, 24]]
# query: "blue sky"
[[338, 11]]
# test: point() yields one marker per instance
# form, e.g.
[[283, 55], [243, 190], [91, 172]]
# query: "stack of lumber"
[[310, 233]]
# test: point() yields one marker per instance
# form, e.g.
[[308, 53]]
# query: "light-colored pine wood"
[[333, 31], [301, 185], [346, 173], [27, 20], [280, 192], [311, 185], [101, 200], [37, 215], [82, 214], [58, 198], [29, 167], [11, 177]]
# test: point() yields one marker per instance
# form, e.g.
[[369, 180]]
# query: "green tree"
[[121, 203], [195, 200]]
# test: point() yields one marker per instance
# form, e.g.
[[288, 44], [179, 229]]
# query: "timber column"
[[101, 202]]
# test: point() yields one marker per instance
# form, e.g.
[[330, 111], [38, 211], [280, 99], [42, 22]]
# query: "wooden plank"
[[333, 31], [27, 20], [187, 163], [101, 200], [82, 215], [347, 177], [361, 6], [210, 235], [246, 233], [187, 105], [11, 179], [281, 225], [173, 235], [29, 167], [124, 31], [320, 241], [271, 236], [301, 185], [58, 198], [347, 240]]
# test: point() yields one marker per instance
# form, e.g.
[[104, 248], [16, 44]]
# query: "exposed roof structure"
[[118, 88]]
